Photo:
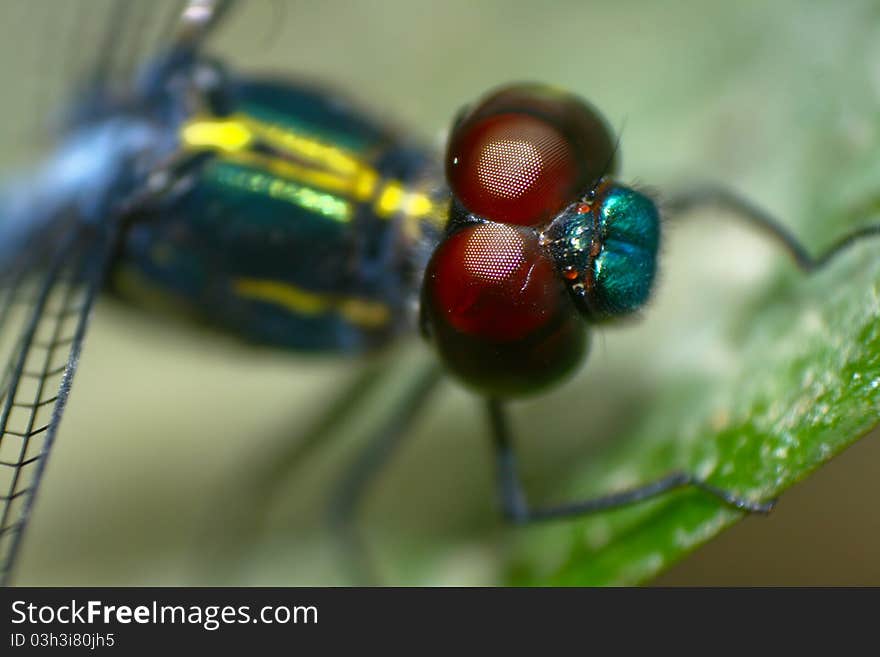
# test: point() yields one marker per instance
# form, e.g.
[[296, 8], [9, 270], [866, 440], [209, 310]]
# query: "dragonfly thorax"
[[301, 226]]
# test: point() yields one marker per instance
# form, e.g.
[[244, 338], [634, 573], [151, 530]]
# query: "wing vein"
[[89, 257]]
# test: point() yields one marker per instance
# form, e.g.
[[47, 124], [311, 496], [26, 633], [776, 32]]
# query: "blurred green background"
[[168, 430]]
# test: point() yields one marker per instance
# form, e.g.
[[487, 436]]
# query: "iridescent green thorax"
[[302, 226], [605, 247]]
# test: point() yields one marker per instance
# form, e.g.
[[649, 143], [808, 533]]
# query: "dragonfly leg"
[[518, 510], [285, 462], [244, 505], [714, 197], [361, 472]]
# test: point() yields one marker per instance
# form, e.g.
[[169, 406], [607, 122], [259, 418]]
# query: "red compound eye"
[[499, 315], [525, 152], [511, 168]]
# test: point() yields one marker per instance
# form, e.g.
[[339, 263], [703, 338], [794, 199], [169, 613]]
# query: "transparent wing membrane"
[[50, 51], [50, 55], [44, 319]]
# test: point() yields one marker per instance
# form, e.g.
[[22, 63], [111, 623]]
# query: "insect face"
[[539, 240]]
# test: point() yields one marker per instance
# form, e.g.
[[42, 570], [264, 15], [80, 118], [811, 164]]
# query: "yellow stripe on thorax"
[[312, 162], [360, 312]]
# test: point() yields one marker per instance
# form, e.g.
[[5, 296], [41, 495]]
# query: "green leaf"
[[806, 385]]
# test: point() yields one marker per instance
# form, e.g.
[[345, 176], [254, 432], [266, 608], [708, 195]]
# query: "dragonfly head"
[[539, 241]]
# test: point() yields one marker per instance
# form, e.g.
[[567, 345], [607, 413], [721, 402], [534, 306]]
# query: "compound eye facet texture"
[[525, 152], [498, 313]]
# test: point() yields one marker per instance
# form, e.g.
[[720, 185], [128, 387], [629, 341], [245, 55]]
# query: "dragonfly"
[[284, 215]]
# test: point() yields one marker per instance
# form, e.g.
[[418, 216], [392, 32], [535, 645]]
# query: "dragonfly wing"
[[46, 297], [135, 32], [57, 51], [50, 274]]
